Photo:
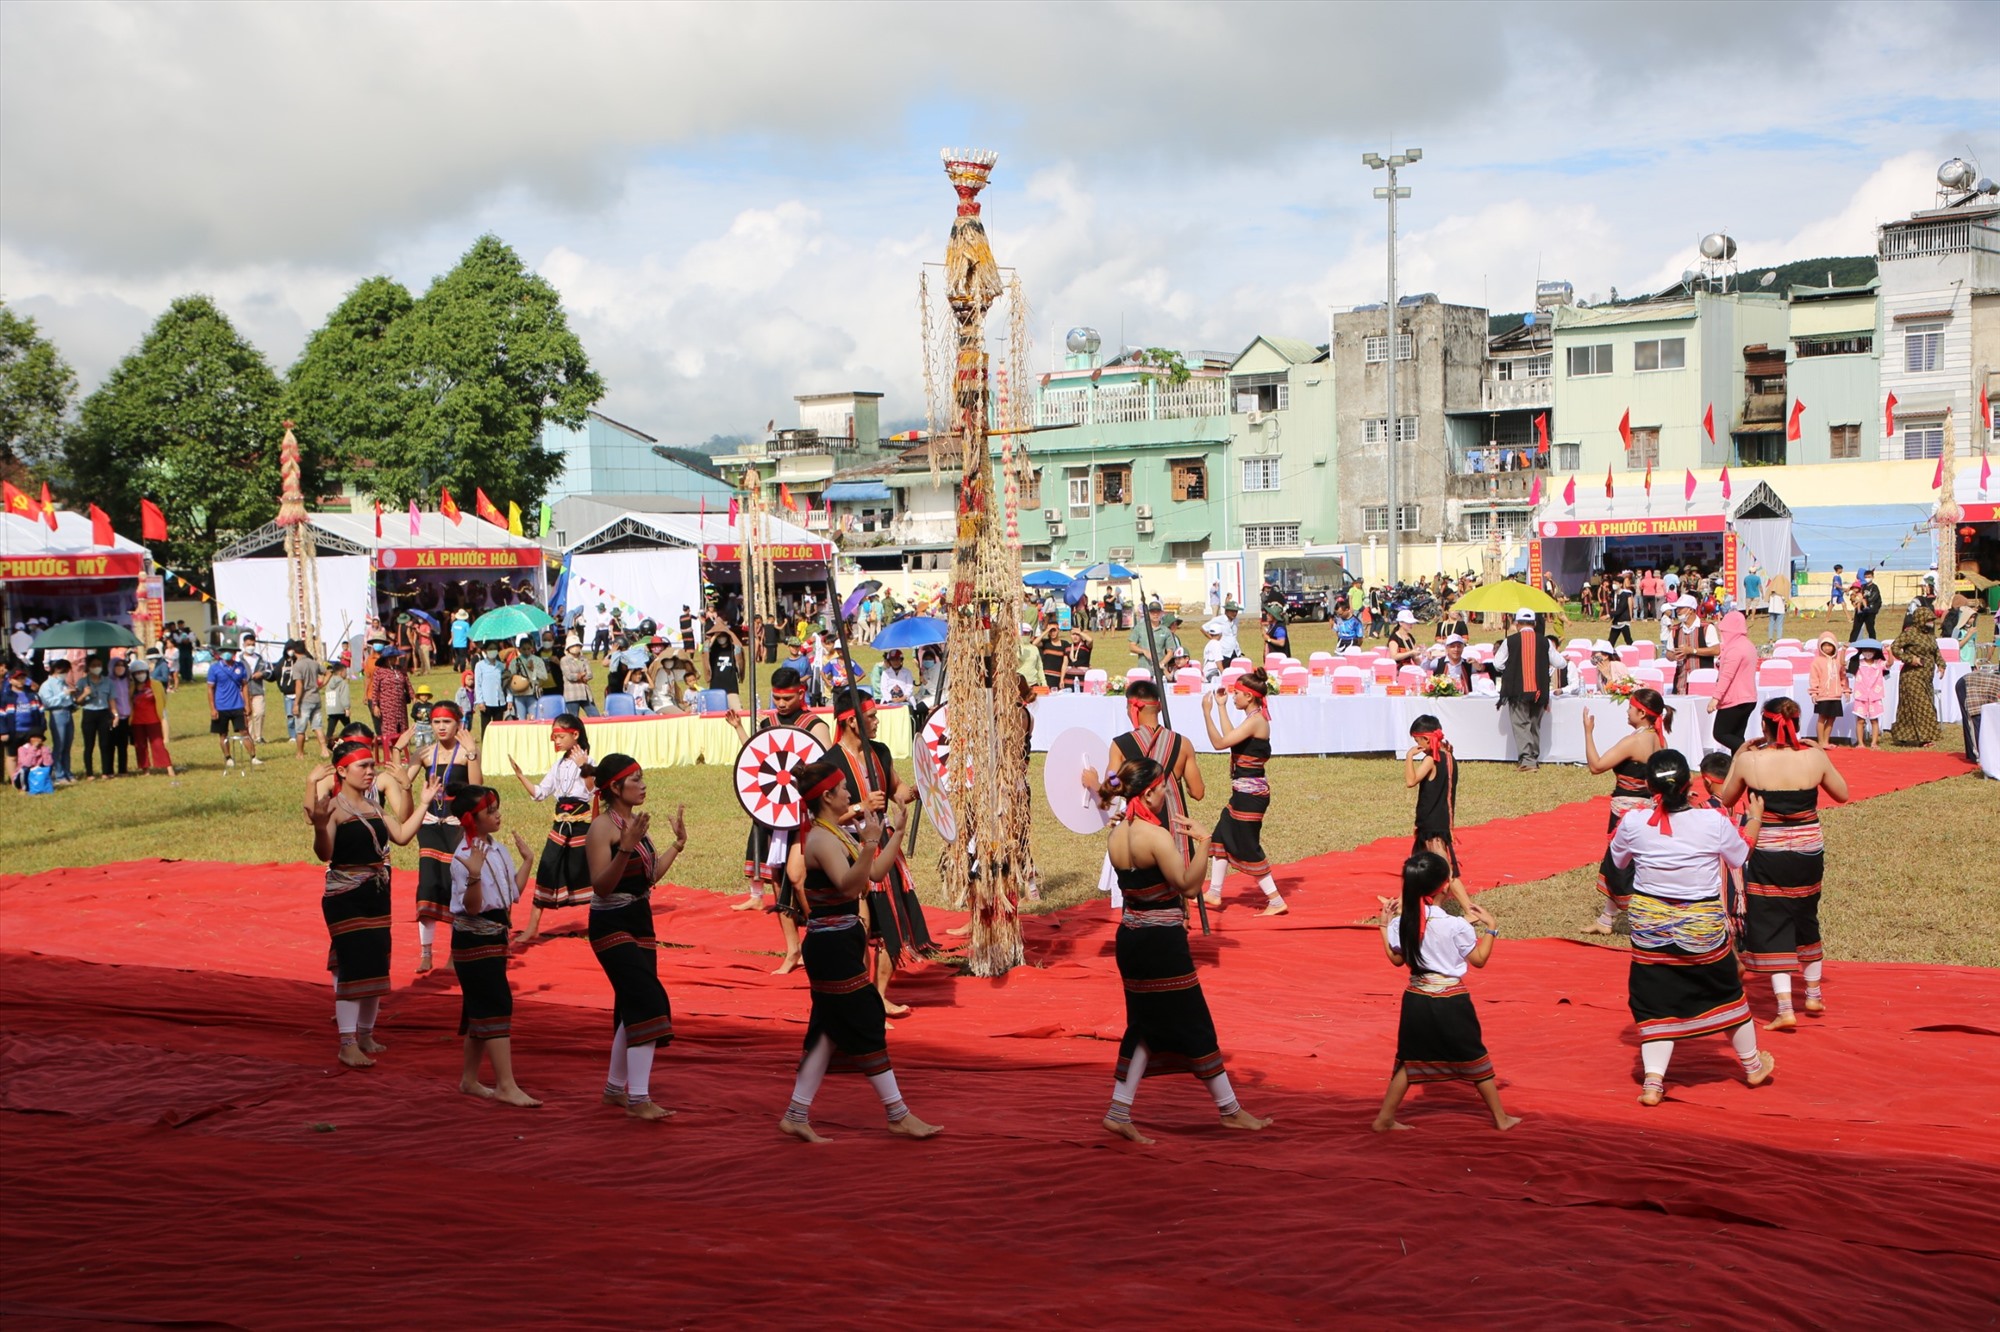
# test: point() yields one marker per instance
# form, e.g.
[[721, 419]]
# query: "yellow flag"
[[514, 518]]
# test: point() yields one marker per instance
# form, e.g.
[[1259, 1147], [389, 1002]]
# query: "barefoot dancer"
[[562, 875], [1781, 883], [1238, 836], [485, 883], [447, 762], [1684, 980], [848, 1016], [1174, 753], [352, 837], [1167, 1026], [895, 915], [1437, 1037], [623, 870], [766, 857], [1649, 717]]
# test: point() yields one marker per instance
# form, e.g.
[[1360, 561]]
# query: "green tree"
[[349, 392], [36, 389], [190, 420], [487, 356]]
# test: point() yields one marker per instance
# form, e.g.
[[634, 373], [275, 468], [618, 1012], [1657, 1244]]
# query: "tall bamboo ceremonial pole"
[[1166, 719]]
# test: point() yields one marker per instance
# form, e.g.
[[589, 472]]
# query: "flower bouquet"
[[1620, 688], [1441, 686]]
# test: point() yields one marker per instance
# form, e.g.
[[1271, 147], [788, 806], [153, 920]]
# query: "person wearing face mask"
[[489, 686], [576, 681], [93, 706], [122, 683], [253, 692]]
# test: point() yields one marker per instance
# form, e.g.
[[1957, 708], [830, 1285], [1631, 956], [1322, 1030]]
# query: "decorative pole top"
[[969, 170]]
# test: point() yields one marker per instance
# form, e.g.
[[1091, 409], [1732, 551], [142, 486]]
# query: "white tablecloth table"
[[1989, 740]]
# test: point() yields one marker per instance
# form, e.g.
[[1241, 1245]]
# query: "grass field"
[[1906, 881]]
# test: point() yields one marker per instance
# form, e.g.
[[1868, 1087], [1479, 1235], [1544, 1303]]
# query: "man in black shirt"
[[1870, 593], [1621, 610]]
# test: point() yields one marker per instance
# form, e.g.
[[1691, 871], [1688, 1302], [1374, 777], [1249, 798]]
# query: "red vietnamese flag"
[[1708, 422], [1889, 417], [1569, 493], [1535, 493], [1725, 482], [1687, 486], [100, 527], [448, 506], [1985, 408], [1649, 480], [1937, 478], [1542, 433], [152, 523], [785, 498], [1625, 429], [48, 508], [1792, 426], [18, 502], [378, 520], [486, 509], [1607, 483]]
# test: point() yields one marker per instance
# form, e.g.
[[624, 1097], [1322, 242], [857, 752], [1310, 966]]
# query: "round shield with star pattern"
[[766, 771]]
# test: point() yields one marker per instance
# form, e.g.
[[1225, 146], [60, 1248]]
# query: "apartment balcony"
[[1506, 395], [913, 529], [1113, 403], [791, 443], [1489, 485], [1763, 408], [1944, 236]]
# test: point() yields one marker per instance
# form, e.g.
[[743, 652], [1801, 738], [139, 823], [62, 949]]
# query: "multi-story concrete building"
[[1940, 290], [1441, 357], [1834, 373], [836, 431]]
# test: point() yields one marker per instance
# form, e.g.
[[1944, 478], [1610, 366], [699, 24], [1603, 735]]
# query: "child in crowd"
[[1828, 687], [32, 754], [1437, 1036], [1869, 688]]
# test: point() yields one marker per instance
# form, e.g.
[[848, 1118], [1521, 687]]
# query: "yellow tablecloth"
[[657, 742]]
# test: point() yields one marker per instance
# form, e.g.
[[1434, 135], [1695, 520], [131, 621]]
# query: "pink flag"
[[1725, 483], [1535, 493], [1569, 493], [1687, 487], [416, 522], [1708, 422], [732, 510], [1937, 480], [1985, 469]]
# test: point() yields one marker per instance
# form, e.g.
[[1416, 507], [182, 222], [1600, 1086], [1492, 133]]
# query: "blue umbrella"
[[1047, 578], [914, 632], [857, 596], [1077, 592], [425, 616], [1109, 571]]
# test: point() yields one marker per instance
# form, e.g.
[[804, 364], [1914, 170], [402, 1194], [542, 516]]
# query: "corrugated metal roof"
[[1597, 316]]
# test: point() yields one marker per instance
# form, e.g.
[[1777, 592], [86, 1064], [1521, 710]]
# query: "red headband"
[[1661, 819], [1659, 727], [1784, 731], [447, 706], [867, 705], [563, 730], [822, 786], [1433, 743], [606, 780], [490, 800], [354, 756]]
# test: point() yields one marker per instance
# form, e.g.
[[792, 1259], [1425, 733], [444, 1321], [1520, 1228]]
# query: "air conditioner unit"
[[1144, 513], [1256, 419], [1057, 527], [1048, 515], [1145, 527]]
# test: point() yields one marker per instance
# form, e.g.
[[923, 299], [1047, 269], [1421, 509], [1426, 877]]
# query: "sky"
[[735, 200]]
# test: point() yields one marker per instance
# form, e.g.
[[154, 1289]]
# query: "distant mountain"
[[1855, 270]]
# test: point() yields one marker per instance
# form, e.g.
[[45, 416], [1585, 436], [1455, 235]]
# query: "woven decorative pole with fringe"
[[991, 869], [1946, 517], [301, 566]]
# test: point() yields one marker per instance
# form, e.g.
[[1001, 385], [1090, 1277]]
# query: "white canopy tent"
[[1631, 529], [62, 573], [652, 563], [441, 567]]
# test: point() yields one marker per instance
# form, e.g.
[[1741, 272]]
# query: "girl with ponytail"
[[562, 875], [1432, 768], [1167, 1024], [486, 881], [1238, 839], [1782, 880], [1437, 1037], [1650, 719]]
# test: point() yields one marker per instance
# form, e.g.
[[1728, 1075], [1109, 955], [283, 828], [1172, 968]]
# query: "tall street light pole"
[[1392, 192]]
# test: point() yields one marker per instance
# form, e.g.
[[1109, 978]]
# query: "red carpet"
[[1540, 846], [181, 1145]]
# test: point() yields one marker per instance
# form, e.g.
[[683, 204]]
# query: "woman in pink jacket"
[[1736, 684], [1828, 687]]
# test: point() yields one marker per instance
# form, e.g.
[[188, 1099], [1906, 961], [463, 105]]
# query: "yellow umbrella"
[[1509, 596]]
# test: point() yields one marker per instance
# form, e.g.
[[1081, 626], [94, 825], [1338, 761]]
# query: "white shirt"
[[1448, 940], [1777, 606], [1229, 639], [496, 877], [898, 686], [23, 642], [1686, 867], [563, 780], [1215, 655]]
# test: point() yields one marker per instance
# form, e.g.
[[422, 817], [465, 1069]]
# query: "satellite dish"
[[1956, 174], [1083, 341], [1767, 279], [1717, 246]]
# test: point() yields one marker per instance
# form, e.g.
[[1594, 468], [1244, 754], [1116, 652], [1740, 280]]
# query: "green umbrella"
[[86, 634], [510, 623]]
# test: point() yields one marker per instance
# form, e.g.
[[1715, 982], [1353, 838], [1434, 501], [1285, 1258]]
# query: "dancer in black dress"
[[486, 881], [447, 762], [1238, 839], [1437, 1036], [848, 1017], [1649, 717], [1783, 877], [1684, 979], [1432, 768], [562, 875], [623, 869], [1167, 1025], [353, 838], [895, 914]]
